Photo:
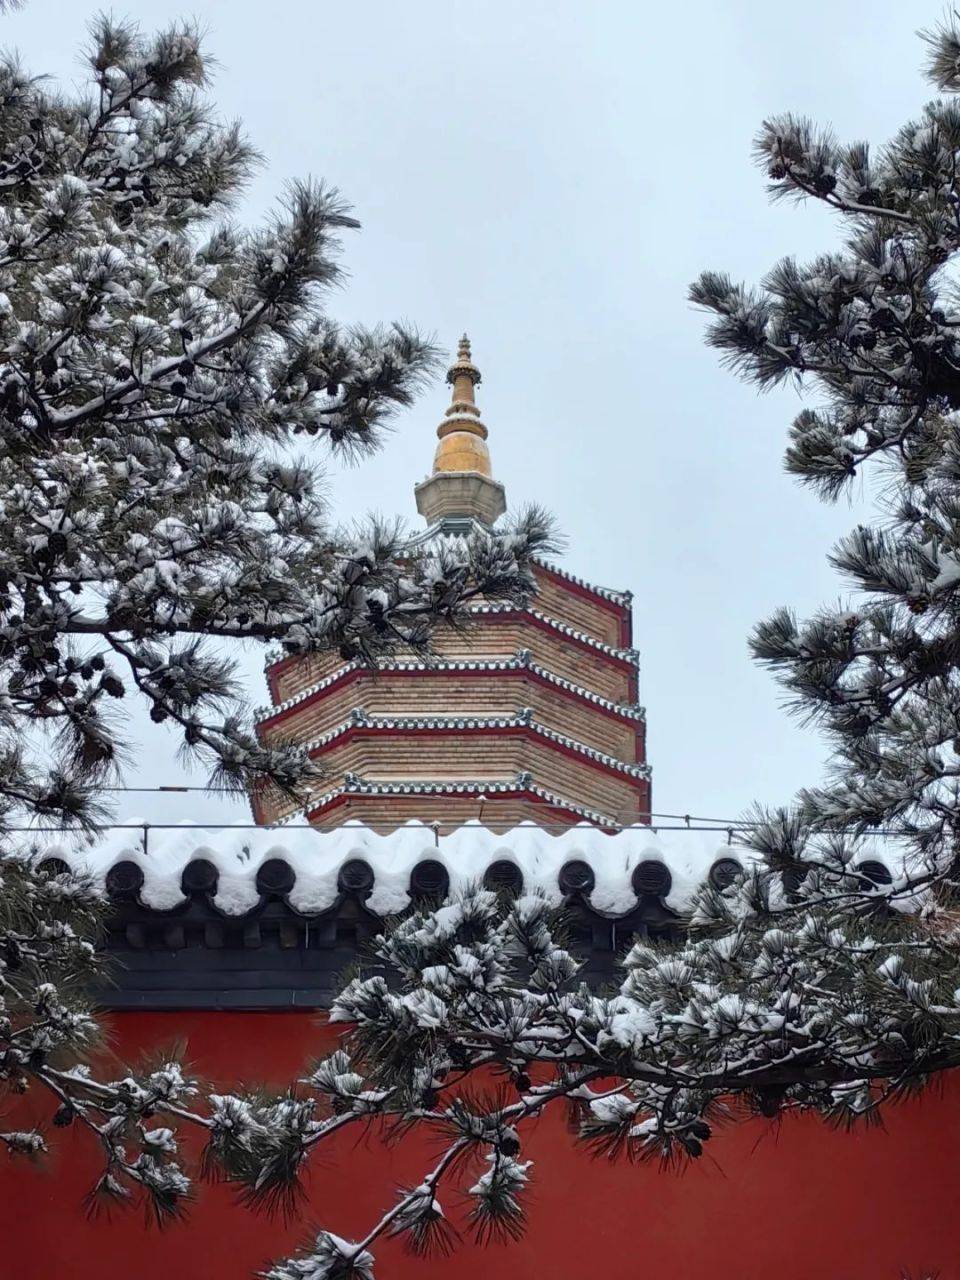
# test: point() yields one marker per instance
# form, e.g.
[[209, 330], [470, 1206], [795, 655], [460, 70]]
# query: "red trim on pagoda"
[[274, 670]]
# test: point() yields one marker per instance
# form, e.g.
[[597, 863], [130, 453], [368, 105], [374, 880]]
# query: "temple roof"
[[260, 918], [672, 863]]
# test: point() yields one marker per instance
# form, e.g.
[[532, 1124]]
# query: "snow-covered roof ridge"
[[602, 821], [520, 661], [630, 711], [354, 784], [262, 713], [506, 607], [608, 593], [523, 719], [316, 859]]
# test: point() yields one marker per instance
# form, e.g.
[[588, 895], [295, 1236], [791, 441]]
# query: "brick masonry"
[[515, 757]]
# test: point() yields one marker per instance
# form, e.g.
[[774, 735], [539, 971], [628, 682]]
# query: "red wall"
[[798, 1202]]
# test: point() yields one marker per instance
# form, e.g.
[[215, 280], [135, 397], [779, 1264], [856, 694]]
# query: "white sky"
[[550, 176]]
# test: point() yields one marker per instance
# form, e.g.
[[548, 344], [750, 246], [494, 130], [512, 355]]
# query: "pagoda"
[[529, 713]]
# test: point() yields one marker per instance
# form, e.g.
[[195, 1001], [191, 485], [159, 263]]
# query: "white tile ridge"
[[626, 655], [267, 712], [354, 784], [609, 593], [317, 856], [629, 711]]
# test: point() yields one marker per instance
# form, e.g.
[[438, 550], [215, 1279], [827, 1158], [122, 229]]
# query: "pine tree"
[[873, 327], [813, 983], [157, 363]]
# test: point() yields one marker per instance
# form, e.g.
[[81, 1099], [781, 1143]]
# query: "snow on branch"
[[160, 366]]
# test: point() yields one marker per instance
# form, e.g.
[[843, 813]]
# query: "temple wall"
[[792, 1201], [292, 677], [494, 756], [501, 637]]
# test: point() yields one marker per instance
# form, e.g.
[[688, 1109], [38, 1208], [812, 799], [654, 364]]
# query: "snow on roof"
[[508, 608], [608, 593], [354, 784], [316, 859]]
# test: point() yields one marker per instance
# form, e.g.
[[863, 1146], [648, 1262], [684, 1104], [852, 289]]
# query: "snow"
[[316, 858], [948, 576]]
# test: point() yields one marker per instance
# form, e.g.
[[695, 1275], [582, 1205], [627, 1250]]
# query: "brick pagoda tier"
[[529, 714]]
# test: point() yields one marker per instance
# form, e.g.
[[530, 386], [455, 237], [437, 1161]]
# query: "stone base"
[[460, 493]]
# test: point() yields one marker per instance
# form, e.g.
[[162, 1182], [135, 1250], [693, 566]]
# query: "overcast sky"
[[550, 175]]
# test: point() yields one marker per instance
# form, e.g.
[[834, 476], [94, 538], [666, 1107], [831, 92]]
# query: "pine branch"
[[155, 376]]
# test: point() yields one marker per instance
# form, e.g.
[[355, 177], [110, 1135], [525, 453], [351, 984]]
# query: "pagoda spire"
[[461, 488], [462, 435]]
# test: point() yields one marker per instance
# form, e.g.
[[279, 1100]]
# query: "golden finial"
[[464, 370], [461, 483], [462, 435]]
